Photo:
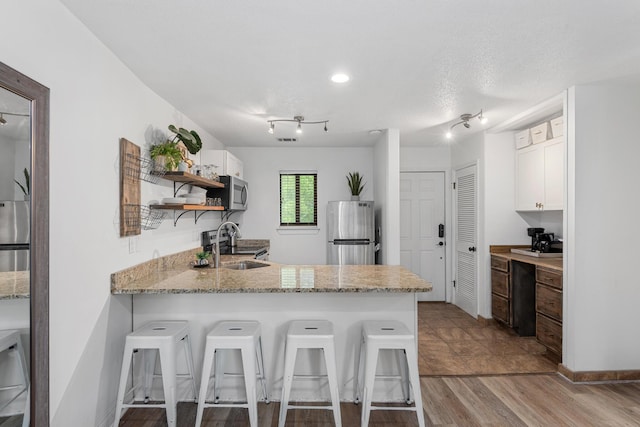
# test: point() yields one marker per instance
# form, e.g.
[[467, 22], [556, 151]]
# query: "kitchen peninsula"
[[168, 288]]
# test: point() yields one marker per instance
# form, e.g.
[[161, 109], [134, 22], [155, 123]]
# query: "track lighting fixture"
[[3, 121], [299, 120], [464, 121]]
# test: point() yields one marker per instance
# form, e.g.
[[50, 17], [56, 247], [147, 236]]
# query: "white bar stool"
[[243, 335], [388, 335], [157, 338], [310, 334], [10, 341]]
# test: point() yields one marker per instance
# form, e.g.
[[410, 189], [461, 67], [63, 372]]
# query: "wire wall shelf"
[[137, 168], [143, 216]]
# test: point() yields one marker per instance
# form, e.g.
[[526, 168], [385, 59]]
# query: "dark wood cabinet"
[[549, 309], [500, 290], [543, 303]]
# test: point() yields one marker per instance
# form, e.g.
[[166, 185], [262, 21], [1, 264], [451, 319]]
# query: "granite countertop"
[[180, 278], [14, 285]]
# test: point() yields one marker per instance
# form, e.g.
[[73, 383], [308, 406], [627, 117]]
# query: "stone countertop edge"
[[173, 277]]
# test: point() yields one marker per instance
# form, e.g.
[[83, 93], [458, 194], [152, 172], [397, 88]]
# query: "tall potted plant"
[[26, 188], [354, 180]]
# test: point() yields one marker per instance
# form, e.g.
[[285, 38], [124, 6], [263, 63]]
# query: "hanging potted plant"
[[354, 180]]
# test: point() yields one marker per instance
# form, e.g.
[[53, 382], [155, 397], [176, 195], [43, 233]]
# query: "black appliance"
[[543, 242], [209, 241]]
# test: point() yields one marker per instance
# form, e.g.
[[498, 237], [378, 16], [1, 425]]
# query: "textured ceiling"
[[414, 65]]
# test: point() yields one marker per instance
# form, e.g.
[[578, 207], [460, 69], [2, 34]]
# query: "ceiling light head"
[[482, 118], [3, 121], [339, 78], [464, 121], [297, 119], [325, 127], [271, 127], [299, 128]]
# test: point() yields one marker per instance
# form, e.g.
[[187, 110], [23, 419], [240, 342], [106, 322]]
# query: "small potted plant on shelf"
[[354, 180], [202, 259], [166, 156], [26, 187]]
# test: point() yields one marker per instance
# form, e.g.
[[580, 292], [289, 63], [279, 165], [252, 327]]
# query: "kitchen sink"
[[245, 265]]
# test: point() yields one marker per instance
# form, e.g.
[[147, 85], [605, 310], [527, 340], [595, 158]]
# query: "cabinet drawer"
[[549, 277], [549, 301], [500, 308], [499, 263], [500, 283], [549, 333]]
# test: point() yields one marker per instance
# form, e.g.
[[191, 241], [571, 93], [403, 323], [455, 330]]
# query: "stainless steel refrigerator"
[[14, 236], [350, 233]]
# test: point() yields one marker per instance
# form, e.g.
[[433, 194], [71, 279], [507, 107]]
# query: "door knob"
[[472, 249], [440, 243]]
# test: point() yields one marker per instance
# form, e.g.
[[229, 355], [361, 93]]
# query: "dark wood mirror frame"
[[38, 94]]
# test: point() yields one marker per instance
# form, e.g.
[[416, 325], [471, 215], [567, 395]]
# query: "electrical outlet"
[[133, 244]]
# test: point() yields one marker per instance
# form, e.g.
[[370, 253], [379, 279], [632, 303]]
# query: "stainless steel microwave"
[[234, 195]]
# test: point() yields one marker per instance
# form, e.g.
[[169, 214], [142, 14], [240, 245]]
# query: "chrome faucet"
[[217, 247]]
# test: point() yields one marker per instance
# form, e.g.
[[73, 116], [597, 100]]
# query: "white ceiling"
[[415, 65]]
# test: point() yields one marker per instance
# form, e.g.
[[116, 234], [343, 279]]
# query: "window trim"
[[298, 224]]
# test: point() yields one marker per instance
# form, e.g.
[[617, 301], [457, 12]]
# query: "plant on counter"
[[203, 257], [189, 138], [354, 180], [26, 187], [167, 155]]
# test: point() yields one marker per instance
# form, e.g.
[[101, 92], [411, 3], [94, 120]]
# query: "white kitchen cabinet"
[[539, 172], [227, 163]]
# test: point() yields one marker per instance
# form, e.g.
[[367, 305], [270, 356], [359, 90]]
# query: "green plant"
[[354, 180], [189, 138], [26, 187], [170, 151], [202, 255]]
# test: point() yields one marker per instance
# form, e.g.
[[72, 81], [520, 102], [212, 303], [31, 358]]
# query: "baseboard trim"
[[598, 376], [483, 321]]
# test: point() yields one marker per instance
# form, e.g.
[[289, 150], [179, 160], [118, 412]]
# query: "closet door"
[[466, 232]]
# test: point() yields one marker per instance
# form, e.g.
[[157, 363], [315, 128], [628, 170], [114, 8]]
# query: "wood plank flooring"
[[450, 342], [505, 400]]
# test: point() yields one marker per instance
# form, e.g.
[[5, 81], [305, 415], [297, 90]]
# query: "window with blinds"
[[298, 199]]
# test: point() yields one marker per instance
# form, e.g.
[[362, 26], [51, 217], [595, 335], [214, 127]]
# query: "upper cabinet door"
[[529, 178], [539, 176], [553, 175]]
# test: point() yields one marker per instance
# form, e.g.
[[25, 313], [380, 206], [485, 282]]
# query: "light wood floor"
[[506, 400], [450, 342]]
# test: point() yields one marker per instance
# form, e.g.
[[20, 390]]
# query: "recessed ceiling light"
[[339, 78]]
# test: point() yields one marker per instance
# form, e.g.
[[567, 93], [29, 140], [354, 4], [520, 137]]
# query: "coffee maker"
[[543, 242]]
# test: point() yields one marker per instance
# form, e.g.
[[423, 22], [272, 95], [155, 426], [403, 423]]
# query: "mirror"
[[24, 250]]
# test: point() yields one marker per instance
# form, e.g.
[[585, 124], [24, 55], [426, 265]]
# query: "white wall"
[[601, 290], [95, 100], [387, 194], [262, 168]]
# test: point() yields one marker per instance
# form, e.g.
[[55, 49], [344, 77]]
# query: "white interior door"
[[422, 250], [466, 259]]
